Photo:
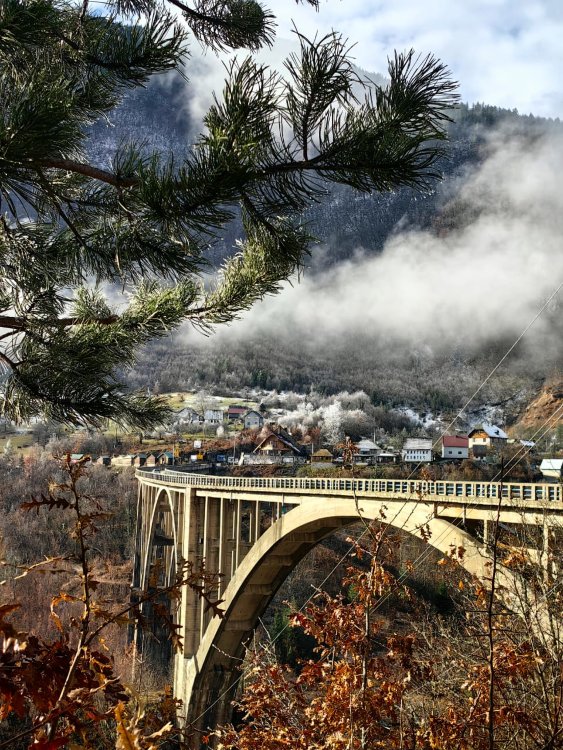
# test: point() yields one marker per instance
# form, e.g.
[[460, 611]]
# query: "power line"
[[483, 383], [527, 449]]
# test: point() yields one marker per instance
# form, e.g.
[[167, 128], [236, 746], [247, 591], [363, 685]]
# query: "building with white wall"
[[455, 446], [417, 450]]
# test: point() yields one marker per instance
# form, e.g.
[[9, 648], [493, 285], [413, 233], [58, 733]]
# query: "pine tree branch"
[[13, 365], [148, 217], [195, 15], [70, 165], [23, 324], [243, 24]]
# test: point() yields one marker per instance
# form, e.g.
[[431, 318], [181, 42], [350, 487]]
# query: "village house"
[[189, 415], [322, 456], [417, 450], [388, 457], [166, 458], [552, 468], [278, 444], [485, 437], [144, 459], [213, 416], [252, 420], [526, 444], [455, 446], [366, 450], [236, 412]]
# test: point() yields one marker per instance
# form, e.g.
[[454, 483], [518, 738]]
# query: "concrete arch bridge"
[[254, 531]]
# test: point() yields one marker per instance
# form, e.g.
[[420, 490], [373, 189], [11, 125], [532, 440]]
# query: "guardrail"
[[447, 489]]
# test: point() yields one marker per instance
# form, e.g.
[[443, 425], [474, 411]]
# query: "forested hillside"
[[347, 220], [419, 379]]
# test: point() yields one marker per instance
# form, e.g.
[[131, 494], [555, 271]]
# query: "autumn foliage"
[[429, 686], [485, 675], [65, 691]]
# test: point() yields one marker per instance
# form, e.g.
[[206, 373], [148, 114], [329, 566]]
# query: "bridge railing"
[[449, 490]]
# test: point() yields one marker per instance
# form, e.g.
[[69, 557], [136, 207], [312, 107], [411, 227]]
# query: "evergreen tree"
[[69, 227]]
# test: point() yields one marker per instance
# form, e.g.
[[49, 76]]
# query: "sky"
[[502, 52]]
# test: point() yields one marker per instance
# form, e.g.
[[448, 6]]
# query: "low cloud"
[[465, 288], [207, 72]]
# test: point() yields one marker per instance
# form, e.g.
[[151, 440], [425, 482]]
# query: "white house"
[[487, 436], [455, 446], [552, 468], [187, 414], [213, 416], [417, 450], [366, 449]]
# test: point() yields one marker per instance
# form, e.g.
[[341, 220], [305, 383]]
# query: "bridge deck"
[[529, 495]]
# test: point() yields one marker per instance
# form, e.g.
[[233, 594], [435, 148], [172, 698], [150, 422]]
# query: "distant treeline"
[[427, 382]]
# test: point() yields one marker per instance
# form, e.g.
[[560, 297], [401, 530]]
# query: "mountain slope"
[[546, 408]]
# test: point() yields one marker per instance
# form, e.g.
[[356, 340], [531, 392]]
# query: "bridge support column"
[[190, 603], [257, 526], [223, 551], [237, 526], [546, 561], [488, 533], [212, 543]]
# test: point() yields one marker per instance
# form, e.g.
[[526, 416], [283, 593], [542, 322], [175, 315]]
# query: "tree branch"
[[197, 16], [22, 324], [69, 165]]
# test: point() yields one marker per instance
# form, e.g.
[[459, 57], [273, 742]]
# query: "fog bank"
[[466, 286]]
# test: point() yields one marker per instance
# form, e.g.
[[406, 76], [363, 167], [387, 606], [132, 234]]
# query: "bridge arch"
[[211, 674], [157, 544]]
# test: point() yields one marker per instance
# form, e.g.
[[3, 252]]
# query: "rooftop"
[[418, 444], [492, 431], [322, 452], [455, 441], [551, 464]]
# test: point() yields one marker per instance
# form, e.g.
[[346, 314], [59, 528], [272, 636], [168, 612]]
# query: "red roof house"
[[455, 446]]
